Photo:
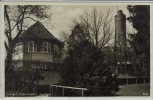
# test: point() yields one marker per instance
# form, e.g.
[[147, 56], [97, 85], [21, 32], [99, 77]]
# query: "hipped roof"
[[38, 30]]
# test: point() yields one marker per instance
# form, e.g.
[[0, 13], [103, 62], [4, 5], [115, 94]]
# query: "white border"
[[2, 51], [2, 48], [151, 52]]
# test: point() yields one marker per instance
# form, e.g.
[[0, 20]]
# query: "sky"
[[63, 15]]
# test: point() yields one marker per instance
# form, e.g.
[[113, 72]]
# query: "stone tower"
[[120, 30], [120, 40]]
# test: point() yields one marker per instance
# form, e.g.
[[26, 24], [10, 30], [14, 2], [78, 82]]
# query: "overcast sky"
[[63, 15]]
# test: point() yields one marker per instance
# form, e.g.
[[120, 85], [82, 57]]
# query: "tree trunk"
[[8, 61]]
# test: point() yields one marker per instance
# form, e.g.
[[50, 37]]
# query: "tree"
[[15, 23], [140, 41], [84, 66], [97, 26], [123, 55]]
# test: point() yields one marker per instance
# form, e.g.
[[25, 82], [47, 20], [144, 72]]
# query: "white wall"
[[18, 54]]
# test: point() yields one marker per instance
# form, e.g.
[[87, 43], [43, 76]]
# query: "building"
[[120, 41], [38, 48], [120, 29], [122, 58]]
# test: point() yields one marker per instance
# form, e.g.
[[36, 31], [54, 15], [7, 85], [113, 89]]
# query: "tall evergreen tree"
[[84, 67], [140, 19]]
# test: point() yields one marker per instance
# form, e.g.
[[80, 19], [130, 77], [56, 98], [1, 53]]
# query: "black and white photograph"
[[77, 49]]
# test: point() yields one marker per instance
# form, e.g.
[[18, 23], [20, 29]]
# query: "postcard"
[[63, 49]]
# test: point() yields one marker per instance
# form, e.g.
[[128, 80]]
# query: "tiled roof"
[[38, 30]]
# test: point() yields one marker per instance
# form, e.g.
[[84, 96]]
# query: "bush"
[[84, 68], [22, 81]]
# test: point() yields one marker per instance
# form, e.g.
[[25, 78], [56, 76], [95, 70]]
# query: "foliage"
[[141, 22], [84, 67], [23, 81], [140, 42]]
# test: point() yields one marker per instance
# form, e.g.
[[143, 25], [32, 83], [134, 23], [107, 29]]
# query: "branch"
[[30, 18], [8, 21]]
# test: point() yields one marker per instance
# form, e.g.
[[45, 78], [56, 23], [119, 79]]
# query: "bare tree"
[[97, 25], [15, 24]]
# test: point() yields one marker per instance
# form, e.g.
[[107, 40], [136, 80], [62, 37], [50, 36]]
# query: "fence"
[[57, 90], [52, 87], [127, 81]]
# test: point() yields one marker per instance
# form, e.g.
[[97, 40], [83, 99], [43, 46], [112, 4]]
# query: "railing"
[[127, 81], [51, 91]]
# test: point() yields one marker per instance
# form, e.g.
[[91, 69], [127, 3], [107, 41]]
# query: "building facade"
[[38, 48]]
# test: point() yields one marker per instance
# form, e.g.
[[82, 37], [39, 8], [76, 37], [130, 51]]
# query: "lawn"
[[134, 90]]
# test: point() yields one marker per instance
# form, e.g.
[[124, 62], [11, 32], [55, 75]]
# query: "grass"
[[50, 77], [134, 90]]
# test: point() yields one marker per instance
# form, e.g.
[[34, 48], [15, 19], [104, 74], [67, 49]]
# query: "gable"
[[38, 30]]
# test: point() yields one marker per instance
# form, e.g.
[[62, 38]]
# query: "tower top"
[[119, 12], [120, 16]]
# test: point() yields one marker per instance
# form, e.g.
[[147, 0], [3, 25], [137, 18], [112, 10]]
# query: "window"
[[44, 46], [39, 46], [26, 46], [29, 46], [57, 49], [52, 48], [49, 47], [35, 46], [32, 46]]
